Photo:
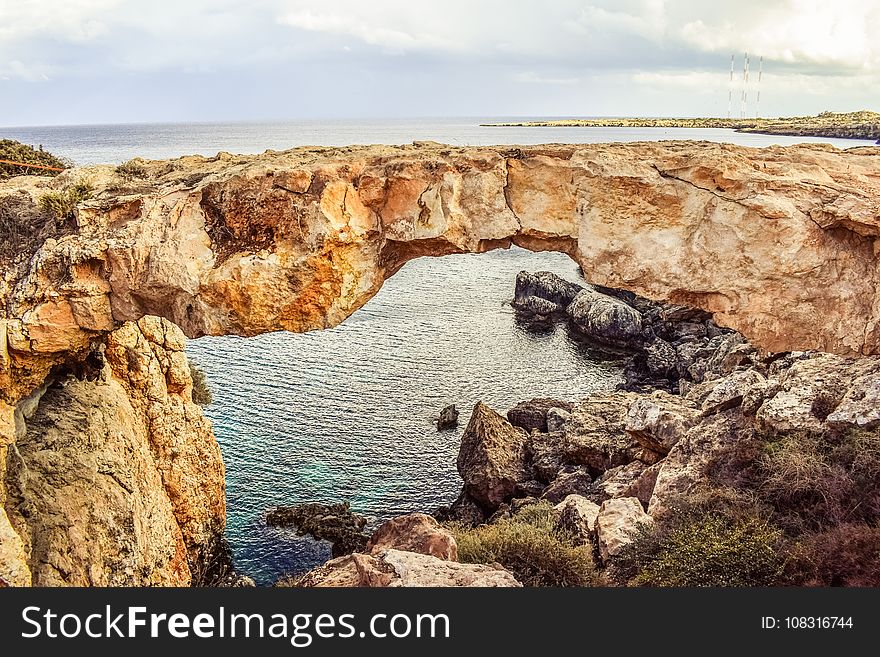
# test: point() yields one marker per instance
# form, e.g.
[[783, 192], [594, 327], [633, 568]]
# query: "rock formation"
[[113, 477], [778, 243]]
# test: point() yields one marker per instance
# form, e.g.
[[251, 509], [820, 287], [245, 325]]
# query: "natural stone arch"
[[778, 243]]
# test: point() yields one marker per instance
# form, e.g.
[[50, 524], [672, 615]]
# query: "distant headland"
[[849, 125]]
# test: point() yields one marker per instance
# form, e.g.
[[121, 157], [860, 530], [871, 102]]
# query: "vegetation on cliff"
[[529, 546], [17, 152]]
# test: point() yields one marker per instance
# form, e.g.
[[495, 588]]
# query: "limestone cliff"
[[113, 477], [779, 243]]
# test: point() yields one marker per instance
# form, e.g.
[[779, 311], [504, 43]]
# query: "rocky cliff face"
[[778, 243], [112, 475]]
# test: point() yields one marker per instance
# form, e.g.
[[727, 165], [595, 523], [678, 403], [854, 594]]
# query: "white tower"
[[758, 92], [730, 88]]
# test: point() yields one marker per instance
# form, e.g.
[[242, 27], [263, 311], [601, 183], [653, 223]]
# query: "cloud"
[[22, 71], [192, 58], [530, 77], [841, 36], [390, 39]]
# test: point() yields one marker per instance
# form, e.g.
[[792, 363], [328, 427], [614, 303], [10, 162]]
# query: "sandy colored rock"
[[777, 242], [395, 568], [14, 569], [415, 532], [86, 498], [595, 433], [618, 520], [659, 421], [577, 517]]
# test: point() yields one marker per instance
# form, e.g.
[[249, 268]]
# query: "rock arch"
[[778, 243]]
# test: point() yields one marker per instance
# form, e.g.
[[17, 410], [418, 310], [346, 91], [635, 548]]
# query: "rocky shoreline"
[[110, 474], [703, 468], [849, 125]]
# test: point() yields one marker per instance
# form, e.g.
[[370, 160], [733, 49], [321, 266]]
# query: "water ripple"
[[345, 414]]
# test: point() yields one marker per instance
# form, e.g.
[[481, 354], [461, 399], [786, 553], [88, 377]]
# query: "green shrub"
[[715, 551], [63, 204], [527, 546], [201, 392], [18, 152], [132, 169], [711, 538]]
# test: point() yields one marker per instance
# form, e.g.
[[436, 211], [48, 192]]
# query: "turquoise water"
[[345, 414]]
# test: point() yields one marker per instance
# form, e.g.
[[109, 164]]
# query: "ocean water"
[[345, 414], [97, 144]]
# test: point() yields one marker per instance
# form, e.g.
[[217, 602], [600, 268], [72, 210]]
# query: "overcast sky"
[[116, 61]]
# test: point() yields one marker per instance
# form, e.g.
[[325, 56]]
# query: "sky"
[[119, 61]]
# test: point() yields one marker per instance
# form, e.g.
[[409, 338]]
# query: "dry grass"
[[528, 546], [62, 204], [133, 169], [848, 555]]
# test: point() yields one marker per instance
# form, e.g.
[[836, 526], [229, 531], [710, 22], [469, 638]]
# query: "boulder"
[[532, 415], [616, 481], [577, 518], [492, 458], [606, 319], [807, 389], [396, 568], [595, 434], [659, 421], [415, 532], [685, 466], [556, 418], [546, 454], [860, 407], [642, 487], [464, 509], [661, 359], [448, 418], [572, 480], [543, 292], [617, 523], [730, 391], [331, 522]]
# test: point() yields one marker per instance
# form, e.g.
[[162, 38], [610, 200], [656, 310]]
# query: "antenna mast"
[[745, 89], [730, 88], [760, 72]]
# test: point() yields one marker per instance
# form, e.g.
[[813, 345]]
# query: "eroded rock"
[[395, 568], [415, 532], [492, 458]]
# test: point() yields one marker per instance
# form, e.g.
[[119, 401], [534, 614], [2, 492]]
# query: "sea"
[[346, 414]]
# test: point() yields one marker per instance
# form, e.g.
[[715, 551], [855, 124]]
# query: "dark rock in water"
[[532, 414], [538, 306], [331, 522], [543, 293], [491, 460], [606, 319], [448, 418]]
